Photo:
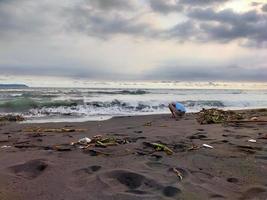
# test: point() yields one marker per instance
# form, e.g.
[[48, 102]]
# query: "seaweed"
[[159, 147], [216, 116], [12, 118]]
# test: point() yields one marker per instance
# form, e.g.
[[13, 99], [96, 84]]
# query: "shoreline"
[[82, 120], [39, 162]]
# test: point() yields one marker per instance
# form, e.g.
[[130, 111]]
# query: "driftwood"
[[52, 130], [246, 121]]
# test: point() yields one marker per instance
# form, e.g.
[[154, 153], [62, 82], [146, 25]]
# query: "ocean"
[[103, 100]]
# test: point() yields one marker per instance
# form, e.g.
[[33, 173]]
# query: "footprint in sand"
[[169, 169], [81, 176], [197, 136], [179, 147], [88, 170], [155, 157], [170, 191], [216, 196], [135, 184], [257, 193], [30, 169], [157, 165]]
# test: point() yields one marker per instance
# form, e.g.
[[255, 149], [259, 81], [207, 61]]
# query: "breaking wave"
[[58, 102], [112, 108], [125, 92], [25, 104]]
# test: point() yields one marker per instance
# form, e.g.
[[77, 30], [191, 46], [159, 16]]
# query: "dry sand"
[[32, 169]]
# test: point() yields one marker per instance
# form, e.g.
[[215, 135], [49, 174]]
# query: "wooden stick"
[[246, 121]]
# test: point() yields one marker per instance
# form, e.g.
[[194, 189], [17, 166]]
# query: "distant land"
[[13, 86]]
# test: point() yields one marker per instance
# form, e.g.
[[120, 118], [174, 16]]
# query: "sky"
[[181, 40]]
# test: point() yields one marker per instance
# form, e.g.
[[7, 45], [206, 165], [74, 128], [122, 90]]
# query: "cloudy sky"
[[195, 40]]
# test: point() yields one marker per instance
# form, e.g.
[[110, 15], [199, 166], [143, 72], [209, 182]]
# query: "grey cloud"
[[20, 18], [182, 31], [264, 8], [202, 2], [165, 6], [111, 4], [203, 25], [106, 18], [225, 16], [57, 71], [224, 26], [203, 73], [105, 25], [230, 25]]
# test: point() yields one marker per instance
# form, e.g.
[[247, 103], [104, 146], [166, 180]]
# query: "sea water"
[[103, 100]]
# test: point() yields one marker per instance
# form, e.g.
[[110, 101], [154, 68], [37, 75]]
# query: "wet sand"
[[43, 165]]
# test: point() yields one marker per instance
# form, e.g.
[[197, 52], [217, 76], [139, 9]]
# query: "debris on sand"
[[99, 141], [62, 147], [105, 144], [93, 152], [193, 147], [252, 140], [52, 130], [163, 125], [207, 146], [159, 147], [216, 116], [11, 118], [254, 118], [178, 173], [148, 124], [84, 141], [5, 146]]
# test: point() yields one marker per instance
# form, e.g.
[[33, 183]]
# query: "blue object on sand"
[[180, 107]]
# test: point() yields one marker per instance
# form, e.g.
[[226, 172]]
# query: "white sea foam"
[[78, 104]]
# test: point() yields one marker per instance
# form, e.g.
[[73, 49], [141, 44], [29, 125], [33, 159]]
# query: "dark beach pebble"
[[199, 136], [138, 131], [217, 196], [138, 192], [93, 152], [63, 147], [232, 180]]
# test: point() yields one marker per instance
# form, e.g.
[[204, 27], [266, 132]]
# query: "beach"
[[44, 161]]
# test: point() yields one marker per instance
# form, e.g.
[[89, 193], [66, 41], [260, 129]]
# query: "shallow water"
[[82, 104]]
